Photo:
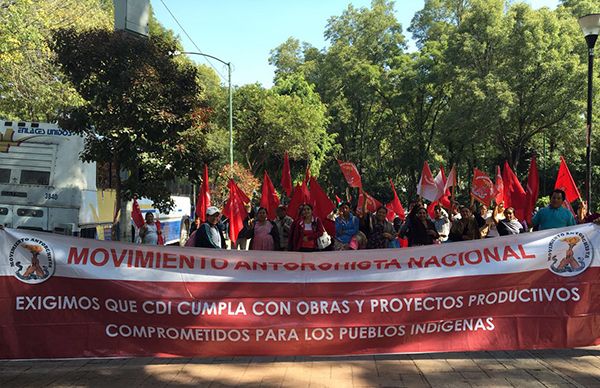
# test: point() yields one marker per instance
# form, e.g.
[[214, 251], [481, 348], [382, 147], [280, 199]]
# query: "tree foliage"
[[290, 117], [490, 81], [31, 86], [139, 108]]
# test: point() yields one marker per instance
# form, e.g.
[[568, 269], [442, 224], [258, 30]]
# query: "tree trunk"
[[115, 234]]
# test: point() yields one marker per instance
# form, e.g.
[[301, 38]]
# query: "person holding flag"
[[441, 223], [554, 215], [263, 233], [149, 232], [379, 231], [305, 231], [465, 228], [209, 234], [346, 227], [419, 229]]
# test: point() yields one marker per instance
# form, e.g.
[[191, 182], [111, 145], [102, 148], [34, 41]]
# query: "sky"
[[244, 32]]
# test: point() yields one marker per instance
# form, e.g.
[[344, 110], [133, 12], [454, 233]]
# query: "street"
[[541, 368]]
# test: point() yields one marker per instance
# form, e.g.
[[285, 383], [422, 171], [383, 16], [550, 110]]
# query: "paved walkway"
[[544, 368]]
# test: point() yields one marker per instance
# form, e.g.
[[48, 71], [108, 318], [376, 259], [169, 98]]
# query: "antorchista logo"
[[570, 253], [31, 260]]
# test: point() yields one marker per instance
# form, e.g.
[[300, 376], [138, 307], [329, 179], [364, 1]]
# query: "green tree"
[[138, 110], [30, 82], [290, 117]]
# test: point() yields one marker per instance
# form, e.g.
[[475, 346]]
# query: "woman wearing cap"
[[305, 231], [209, 235], [264, 233]]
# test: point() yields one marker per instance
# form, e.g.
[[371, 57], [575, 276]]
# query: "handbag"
[[324, 241]]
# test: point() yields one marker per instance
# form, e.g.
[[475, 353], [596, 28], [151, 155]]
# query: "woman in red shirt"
[[305, 231]]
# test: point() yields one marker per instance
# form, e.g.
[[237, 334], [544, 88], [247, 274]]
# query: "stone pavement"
[[542, 368]]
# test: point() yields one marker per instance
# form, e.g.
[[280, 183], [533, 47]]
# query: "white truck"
[[45, 186]]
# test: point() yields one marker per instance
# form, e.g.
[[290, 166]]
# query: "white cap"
[[212, 210]]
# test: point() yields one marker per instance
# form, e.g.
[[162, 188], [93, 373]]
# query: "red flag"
[[338, 200], [440, 180], [444, 200], [482, 188], [514, 195], [203, 201], [451, 180], [286, 176], [533, 186], [161, 239], [427, 187], [565, 182], [372, 203], [269, 199], [300, 196], [307, 173], [499, 187], [234, 210], [136, 214], [322, 205], [396, 205], [320, 201], [431, 209], [351, 174], [241, 195]]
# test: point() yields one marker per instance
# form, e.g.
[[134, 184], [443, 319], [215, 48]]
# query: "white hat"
[[212, 210]]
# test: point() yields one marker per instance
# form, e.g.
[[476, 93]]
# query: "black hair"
[[382, 207], [561, 192]]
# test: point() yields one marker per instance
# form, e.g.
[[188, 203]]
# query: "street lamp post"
[[590, 25], [228, 64]]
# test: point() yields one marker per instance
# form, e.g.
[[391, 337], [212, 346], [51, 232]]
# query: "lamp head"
[[590, 26]]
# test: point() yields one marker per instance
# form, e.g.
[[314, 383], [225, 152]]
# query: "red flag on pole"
[[396, 205], [351, 174], [444, 200], [295, 202], [482, 188], [203, 201], [565, 182], [161, 239], [241, 195], [372, 203], [321, 202], [136, 214], [234, 210], [269, 199], [322, 205], [427, 187], [499, 187], [286, 176], [451, 180], [514, 195], [301, 195], [533, 186]]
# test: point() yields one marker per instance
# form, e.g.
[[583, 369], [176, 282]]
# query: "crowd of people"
[[360, 229]]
